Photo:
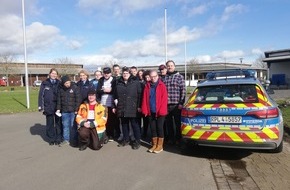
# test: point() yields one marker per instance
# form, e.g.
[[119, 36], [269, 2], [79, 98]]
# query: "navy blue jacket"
[[84, 89], [47, 97]]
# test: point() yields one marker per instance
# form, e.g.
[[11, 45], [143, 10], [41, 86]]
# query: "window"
[[227, 94]]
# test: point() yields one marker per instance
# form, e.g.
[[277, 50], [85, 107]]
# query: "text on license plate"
[[225, 119]]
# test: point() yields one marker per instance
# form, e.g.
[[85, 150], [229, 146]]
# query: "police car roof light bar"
[[229, 74]]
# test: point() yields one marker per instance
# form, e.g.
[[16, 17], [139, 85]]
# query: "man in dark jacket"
[[128, 106], [106, 87], [68, 102], [47, 103]]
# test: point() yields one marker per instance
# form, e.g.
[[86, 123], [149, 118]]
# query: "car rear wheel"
[[278, 149]]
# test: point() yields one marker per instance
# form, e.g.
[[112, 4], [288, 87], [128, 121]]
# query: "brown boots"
[[154, 144], [157, 145]]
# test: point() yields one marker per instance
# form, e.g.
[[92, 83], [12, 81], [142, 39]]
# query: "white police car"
[[232, 109]]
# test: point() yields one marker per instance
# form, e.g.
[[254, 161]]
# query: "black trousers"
[[53, 128], [89, 137], [113, 124], [173, 123], [156, 124]]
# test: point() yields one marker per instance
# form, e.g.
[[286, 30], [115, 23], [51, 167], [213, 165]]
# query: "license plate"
[[226, 119]]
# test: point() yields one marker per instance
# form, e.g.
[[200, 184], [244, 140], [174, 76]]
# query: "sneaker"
[[135, 145], [110, 139], [123, 143], [83, 147], [63, 143]]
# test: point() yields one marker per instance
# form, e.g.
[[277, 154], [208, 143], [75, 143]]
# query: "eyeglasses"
[[154, 76]]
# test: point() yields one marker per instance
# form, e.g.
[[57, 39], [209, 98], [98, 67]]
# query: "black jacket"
[[129, 97], [47, 97], [69, 99]]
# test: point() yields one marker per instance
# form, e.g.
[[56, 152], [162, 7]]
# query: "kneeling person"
[[91, 119]]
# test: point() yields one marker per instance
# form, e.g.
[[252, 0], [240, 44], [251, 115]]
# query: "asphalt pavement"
[[28, 162]]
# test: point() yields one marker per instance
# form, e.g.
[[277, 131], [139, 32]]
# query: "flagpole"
[[165, 33], [25, 56], [185, 64]]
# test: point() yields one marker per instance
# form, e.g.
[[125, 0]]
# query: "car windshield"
[[227, 94]]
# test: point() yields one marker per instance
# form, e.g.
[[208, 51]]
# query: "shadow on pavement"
[[38, 129], [210, 152]]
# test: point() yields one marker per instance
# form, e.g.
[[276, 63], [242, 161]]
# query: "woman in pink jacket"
[[154, 105]]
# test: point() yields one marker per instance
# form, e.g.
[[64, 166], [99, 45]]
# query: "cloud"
[[230, 54], [116, 7], [232, 10], [38, 35], [204, 58], [257, 51], [13, 7], [199, 10]]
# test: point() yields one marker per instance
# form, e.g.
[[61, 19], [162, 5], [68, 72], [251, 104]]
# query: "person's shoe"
[[57, 143], [64, 143], [154, 144], [83, 147], [135, 145], [123, 143], [51, 143], [110, 139], [159, 147], [106, 139]]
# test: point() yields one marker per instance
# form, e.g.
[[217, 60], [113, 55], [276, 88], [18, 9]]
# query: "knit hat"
[[64, 79]]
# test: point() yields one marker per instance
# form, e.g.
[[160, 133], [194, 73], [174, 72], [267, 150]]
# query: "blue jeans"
[[67, 124], [135, 126]]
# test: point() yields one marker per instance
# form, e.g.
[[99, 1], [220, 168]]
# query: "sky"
[[132, 32]]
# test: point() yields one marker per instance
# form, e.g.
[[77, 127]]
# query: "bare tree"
[[259, 62], [194, 66], [8, 66], [112, 62], [65, 66]]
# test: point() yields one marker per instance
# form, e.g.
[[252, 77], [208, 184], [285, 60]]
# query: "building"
[[36, 71], [278, 63]]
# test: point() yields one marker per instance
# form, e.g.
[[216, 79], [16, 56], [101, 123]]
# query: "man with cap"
[[163, 71], [105, 91], [68, 102], [91, 120]]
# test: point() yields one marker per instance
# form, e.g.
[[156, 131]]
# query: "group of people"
[[113, 106]]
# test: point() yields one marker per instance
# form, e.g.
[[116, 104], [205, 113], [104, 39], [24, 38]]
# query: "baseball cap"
[[107, 70]]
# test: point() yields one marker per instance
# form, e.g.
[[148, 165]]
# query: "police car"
[[232, 109]]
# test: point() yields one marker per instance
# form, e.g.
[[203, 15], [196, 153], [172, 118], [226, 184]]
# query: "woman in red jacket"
[[154, 105]]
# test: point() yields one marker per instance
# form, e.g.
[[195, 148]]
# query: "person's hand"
[[180, 106], [114, 110], [139, 109]]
